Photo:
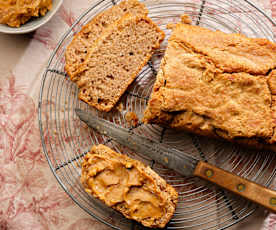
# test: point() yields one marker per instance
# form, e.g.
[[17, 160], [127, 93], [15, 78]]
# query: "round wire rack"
[[66, 140]]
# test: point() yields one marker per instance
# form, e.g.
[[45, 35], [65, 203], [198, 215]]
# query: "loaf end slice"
[[76, 51], [128, 186], [116, 59]]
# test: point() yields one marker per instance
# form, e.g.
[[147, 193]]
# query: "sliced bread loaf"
[[218, 85], [128, 186], [115, 60], [77, 50]]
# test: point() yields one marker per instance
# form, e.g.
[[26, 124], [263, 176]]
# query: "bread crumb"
[[171, 26], [120, 107], [131, 119], [185, 19]]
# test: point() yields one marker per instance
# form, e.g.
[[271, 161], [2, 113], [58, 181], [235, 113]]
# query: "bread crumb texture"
[[131, 119], [115, 60], [77, 50]]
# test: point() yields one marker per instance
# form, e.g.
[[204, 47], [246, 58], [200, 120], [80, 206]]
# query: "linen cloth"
[[30, 197]]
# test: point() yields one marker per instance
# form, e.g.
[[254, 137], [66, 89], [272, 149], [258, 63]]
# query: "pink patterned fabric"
[[30, 197]]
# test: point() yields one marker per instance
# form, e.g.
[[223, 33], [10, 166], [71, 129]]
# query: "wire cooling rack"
[[66, 140]]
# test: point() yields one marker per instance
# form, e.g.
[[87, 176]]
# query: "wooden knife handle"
[[240, 186]]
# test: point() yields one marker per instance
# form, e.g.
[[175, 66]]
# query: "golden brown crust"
[[216, 84], [272, 86], [228, 52], [145, 196]]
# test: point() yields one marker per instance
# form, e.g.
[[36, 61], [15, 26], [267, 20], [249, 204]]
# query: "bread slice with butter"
[[128, 186]]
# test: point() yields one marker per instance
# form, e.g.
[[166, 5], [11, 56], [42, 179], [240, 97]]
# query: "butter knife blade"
[[181, 162], [170, 157]]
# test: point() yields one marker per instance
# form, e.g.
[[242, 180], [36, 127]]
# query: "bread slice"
[[115, 60], [77, 50], [128, 186], [216, 84]]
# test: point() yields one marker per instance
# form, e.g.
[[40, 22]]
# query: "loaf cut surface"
[[128, 186], [218, 85], [76, 51], [114, 61]]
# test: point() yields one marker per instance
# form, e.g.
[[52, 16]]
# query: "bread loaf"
[[218, 85], [76, 51], [115, 60], [128, 186]]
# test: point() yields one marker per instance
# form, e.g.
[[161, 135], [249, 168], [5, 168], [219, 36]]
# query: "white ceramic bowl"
[[33, 24]]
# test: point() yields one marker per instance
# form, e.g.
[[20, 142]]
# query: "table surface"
[[23, 212]]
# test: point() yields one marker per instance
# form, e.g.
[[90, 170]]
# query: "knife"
[[181, 162]]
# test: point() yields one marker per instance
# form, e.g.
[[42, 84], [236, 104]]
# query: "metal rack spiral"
[[65, 139]]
